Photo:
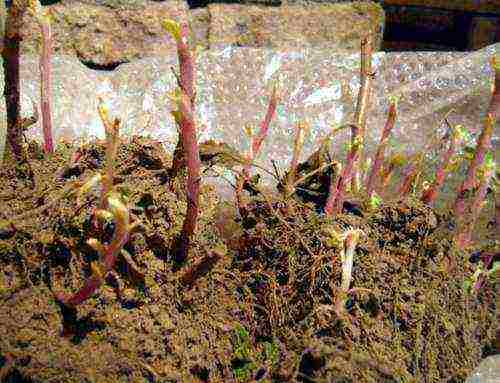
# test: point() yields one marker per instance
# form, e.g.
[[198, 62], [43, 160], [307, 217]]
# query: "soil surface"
[[258, 299]]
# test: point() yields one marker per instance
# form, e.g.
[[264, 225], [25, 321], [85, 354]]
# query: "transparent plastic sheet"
[[233, 88]]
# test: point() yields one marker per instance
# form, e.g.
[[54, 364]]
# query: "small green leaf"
[[467, 285], [489, 162], [462, 133], [173, 28], [375, 201], [394, 99]]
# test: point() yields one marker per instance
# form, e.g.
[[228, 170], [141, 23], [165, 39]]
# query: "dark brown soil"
[[257, 299]]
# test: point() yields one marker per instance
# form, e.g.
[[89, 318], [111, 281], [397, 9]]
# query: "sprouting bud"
[[96, 270], [103, 111], [426, 185], [173, 28], [104, 215], [398, 159], [462, 133], [118, 209], [96, 245], [393, 99], [375, 201], [334, 238], [247, 129], [174, 95], [358, 143], [489, 162], [351, 238]]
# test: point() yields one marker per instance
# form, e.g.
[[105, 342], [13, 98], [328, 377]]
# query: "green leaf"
[[173, 28], [375, 201], [489, 161]]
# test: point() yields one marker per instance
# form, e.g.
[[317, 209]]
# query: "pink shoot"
[[255, 145], [256, 141], [111, 207], [107, 253], [185, 119], [186, 78], [430, 193], [351, 238], [112, 131], [335, 200], [409, 175], [298, 144], [379, 156], [464, 234], [188, 141], [483, 143]]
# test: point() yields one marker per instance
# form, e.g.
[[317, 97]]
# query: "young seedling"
[[118, 212], [483, 144], [351, 238], [254, 149], [112, 206], [347, 242], [384, 139], [335, 200], [456, 135], [363, 103], [477, 166], [483, 273], [43, 20], [186, 80], [298, 144], [336, 195], [187, 148], [185, 120]]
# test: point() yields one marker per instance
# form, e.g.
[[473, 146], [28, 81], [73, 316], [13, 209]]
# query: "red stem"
[[264, 128], [483, 144], [464, 234], [186, 64], [429, 195], [95, 281], [191, 153], [335, 200], [379, 156], [256, 144], [186, 80]]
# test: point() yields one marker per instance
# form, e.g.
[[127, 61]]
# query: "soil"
[[256, 300]]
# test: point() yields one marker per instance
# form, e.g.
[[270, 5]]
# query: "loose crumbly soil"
[[255, 300]]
